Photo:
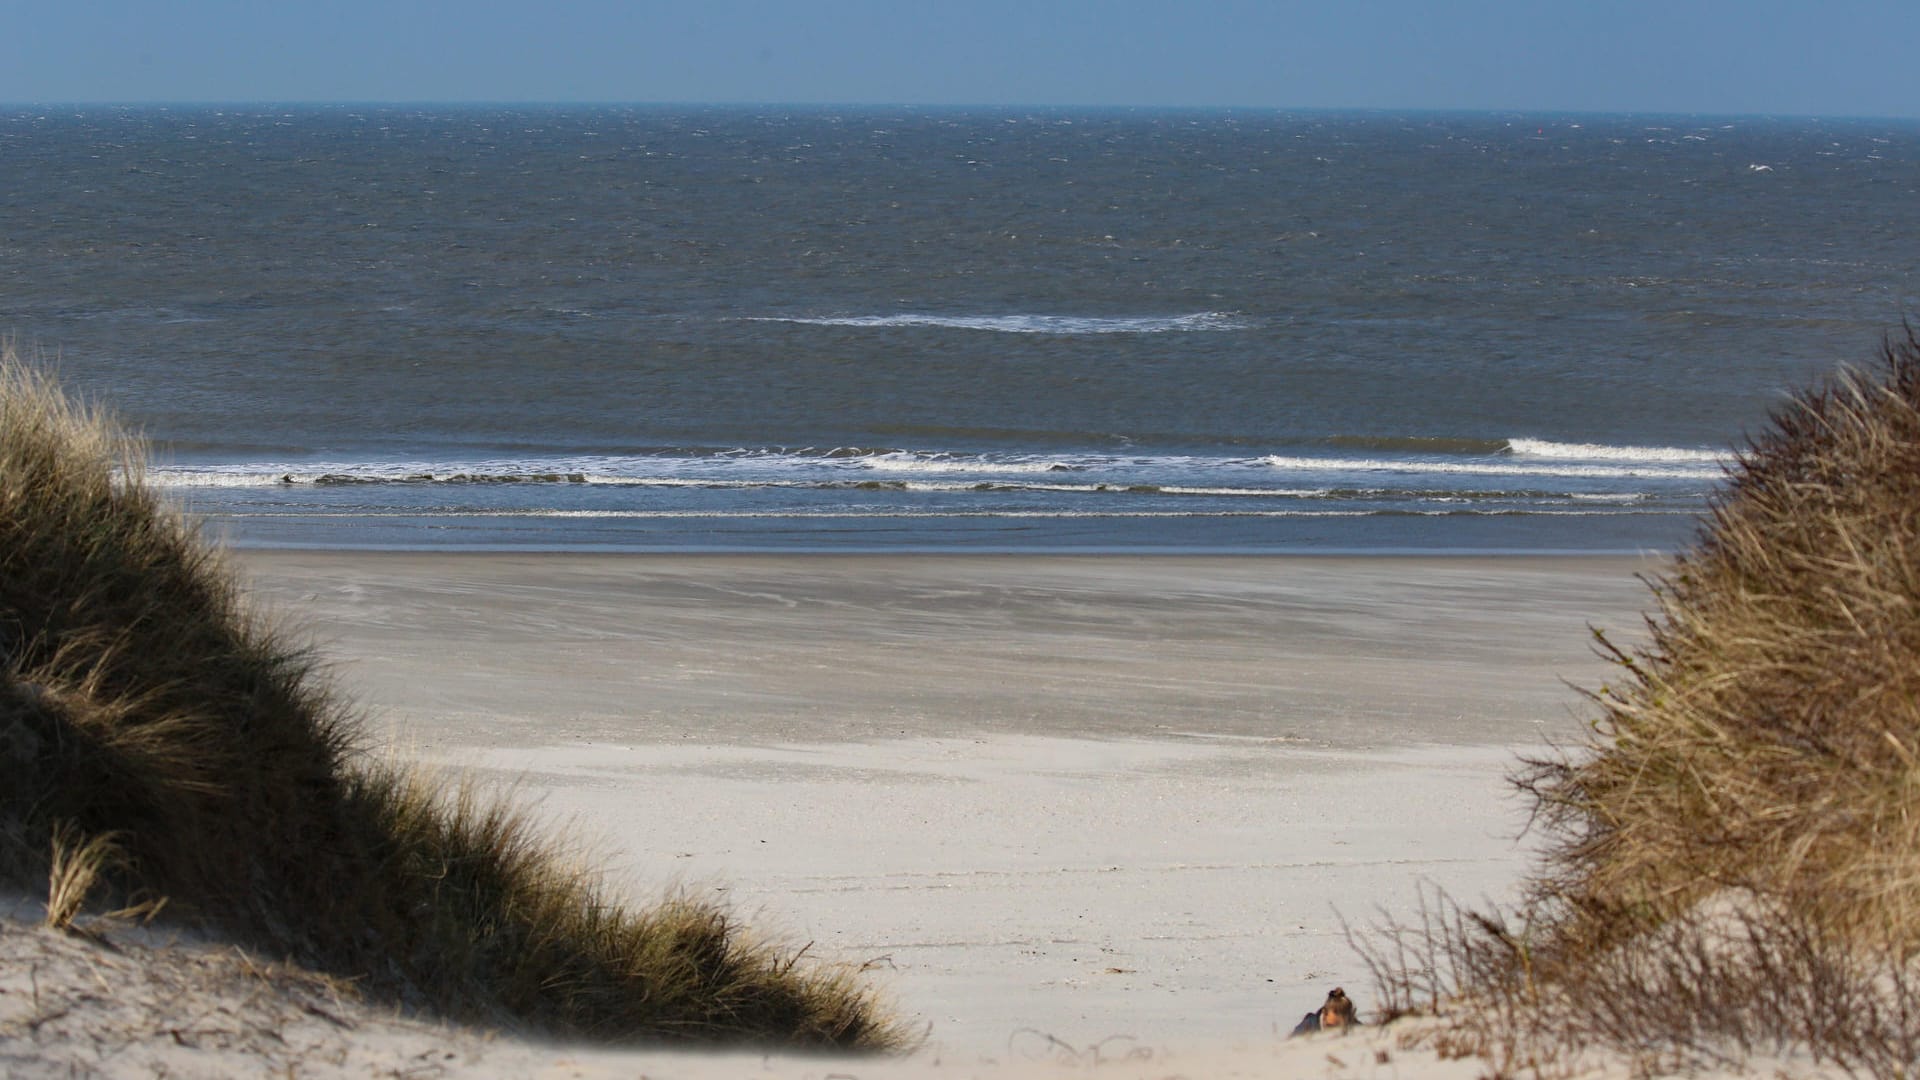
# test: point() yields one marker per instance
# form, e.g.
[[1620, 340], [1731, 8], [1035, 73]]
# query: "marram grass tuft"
[[1732, 860], [1766, 738], [160, 744]]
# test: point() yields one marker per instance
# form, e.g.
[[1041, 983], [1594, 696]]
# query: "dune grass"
[[158, 738], [1733, 854]]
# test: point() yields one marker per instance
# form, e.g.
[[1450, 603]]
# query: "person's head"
[[1338, 1011]]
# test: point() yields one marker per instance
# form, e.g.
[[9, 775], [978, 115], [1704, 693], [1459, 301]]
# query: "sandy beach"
[[1105, 814], [1080, 799]]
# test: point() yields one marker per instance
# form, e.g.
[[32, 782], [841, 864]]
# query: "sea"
[[677, 328]]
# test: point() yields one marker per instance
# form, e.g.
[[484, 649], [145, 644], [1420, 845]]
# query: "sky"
[[1832, 58]]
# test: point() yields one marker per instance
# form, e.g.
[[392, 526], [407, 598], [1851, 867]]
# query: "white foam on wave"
[[1283, 493], [1026, 323], [1645, 470], [259, 475], [909, 462], [733, 468], [1541, 448], [206, 478], [1114, 488]]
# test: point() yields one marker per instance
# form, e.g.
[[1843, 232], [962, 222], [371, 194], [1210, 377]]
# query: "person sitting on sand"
[[1336, 1015]]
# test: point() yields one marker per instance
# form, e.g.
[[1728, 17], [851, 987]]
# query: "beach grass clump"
[[1767, 737], [1732, 860], [159, 743]]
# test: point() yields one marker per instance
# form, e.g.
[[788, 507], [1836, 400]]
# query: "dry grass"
[[1767, 736], [140, 699], [1714, 988], [1733, 860], [75, 866]]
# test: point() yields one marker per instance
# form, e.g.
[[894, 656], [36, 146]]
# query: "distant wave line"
[[906, 461], [809, 467], [1008, 487], [1650, 469], [1028, 323]]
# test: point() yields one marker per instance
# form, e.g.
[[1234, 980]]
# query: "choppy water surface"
[[935, 329]]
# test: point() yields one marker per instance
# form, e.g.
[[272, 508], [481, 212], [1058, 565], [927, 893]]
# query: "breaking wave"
[[1541, 448]]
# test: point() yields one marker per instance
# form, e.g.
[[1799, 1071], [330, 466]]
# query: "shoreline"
[[929, 551]]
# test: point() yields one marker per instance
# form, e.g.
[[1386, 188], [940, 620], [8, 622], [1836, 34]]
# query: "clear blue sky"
[[1841, 57]]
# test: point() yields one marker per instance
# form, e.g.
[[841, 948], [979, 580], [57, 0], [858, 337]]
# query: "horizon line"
[[611, 103]]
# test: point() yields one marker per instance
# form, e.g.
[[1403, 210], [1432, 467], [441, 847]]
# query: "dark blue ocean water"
[[921, 328]]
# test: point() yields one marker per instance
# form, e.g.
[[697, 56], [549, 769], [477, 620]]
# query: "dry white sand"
[[1078, 807]]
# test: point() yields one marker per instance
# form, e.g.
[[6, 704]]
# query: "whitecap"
[[941, 463], [1489, 468], [1541, 448], [1026, 323]]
